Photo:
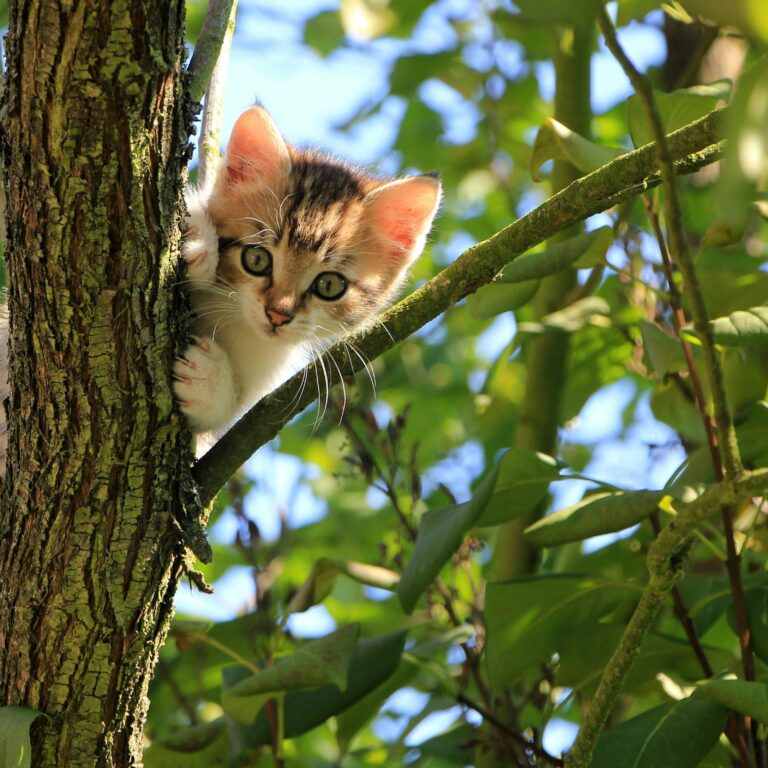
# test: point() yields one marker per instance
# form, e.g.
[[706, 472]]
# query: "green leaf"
[[195, 16], [493, 299], [582, 663], [743, 328], [679, 734], [634, 10], [440, 533], [411, 71], [323, 575], [513, 488], [676, 109], [528, 619], [576, 12], [373, 662], [745, 697], [321, 661], [455, 746], [663, 349], [521, 484], [324, 32], [200, 746], [555, 141], [349, 722], [570, 319], [731, 279], [586, 249], [15, 747], [748, 15], [744, 169], [601, 513]]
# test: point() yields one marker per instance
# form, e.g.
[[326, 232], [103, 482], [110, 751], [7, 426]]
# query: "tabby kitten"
[[290, 250]]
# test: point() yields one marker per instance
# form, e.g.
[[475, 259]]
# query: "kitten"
[[289, 251]]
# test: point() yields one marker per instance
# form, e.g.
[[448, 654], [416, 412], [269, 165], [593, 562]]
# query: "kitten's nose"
[[278, 318]]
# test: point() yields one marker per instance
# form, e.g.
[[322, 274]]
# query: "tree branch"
[[209, 44], [678, 246], [725, 450], [209, 146], [666, 560], [694, 145]]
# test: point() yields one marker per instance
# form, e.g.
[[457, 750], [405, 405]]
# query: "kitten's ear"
[[401, 213], [256, 150]]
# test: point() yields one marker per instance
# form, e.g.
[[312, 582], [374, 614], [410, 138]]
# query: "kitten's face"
[[312, 248]]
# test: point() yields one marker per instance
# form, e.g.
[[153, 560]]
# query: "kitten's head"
[[313, 247]]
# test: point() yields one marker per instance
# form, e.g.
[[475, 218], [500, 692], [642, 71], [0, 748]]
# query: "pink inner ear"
[[256, 151], [403, 211]]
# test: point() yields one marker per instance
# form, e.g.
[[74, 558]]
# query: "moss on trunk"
[[95, 137]]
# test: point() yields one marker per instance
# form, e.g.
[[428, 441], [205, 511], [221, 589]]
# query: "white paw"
[[204, 385], [201, 244]]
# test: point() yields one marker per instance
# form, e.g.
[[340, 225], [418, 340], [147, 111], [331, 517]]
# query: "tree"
[[492, 607]]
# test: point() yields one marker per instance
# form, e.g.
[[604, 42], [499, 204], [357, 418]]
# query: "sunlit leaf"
[[312, 665], [200, 746], [748, 15], [15, 747], [495, 298], [195, 16], [374, 660], [680, 734], [676, 109], [587, 249], [527, 618], [555, 141], [749, 698], [595, 515], [743, 328]]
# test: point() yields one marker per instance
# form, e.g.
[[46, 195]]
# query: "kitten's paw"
[[201, 244], [204, 385]]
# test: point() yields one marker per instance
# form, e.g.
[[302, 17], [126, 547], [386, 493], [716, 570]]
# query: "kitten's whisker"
[[386, 330], [322, 411]]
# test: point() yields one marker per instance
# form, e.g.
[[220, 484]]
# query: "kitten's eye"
[[256, 260], [329, 285]]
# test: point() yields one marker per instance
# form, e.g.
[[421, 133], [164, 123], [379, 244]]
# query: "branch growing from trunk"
[[210, 127], [209, 44], [693, 146]]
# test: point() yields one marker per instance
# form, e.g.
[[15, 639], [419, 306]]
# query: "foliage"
[[411, 486]]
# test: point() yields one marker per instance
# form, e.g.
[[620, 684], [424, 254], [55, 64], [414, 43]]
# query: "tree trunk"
[[95, 136]]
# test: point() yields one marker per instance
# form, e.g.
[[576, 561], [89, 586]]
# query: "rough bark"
[[95, 137]]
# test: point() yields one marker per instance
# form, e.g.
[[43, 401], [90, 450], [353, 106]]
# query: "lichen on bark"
[[95, 132]]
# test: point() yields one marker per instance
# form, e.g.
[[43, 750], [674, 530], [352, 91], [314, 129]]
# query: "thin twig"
[[507, 731], [722, 442], [678, 246], [208, 147], [208, 46], [626, 176], [683, 616]]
